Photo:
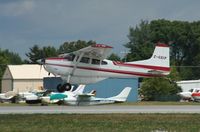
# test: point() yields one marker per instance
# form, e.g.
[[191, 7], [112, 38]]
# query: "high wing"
[[98, 51]]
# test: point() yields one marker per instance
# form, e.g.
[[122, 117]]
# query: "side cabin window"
[[191, 90], [70, 57], [85, 60], [95, 61]]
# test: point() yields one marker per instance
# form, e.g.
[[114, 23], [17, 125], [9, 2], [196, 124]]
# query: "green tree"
[[183, 37], [159, 89], [34, 54], [114, 57], [37, 53], [140, 43]]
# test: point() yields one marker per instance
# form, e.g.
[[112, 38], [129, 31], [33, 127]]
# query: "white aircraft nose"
[[180, 94]]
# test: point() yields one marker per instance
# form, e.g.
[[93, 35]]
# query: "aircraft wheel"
[[64, 87], [60, 88], [67, 87]]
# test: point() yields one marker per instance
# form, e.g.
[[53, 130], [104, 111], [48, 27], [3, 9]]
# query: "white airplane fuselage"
[[92, 73], [87, 67]]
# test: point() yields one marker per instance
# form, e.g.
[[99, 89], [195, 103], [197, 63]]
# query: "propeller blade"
[[41, 61]]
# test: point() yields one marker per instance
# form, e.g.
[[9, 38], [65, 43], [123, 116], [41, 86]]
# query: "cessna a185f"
[[89, 65]]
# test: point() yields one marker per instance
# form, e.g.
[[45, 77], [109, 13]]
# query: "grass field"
[[100, 123]]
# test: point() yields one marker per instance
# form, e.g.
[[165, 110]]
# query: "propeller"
[[41, 61]]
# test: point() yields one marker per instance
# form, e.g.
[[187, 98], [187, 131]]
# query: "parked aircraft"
[[34, 98], [8, 97], [188, 95], [196, 96], [71, 98], [88, 65]]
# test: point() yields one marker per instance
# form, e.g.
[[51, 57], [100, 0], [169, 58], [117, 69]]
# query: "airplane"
[[89, 65], [188, 94], [196, 96], [70, 98], [36, 97], [8, 97]]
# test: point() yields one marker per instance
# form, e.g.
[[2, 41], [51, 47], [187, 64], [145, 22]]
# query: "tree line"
[[184, 40], [183, 37]]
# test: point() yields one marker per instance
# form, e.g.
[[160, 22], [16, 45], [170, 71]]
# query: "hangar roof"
[[188, 81], [28, 71]]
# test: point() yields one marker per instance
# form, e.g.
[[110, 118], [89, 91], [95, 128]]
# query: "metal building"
[[189, 84], [20, 78], [105, 88]]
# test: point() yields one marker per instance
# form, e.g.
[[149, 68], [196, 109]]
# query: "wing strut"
[[75, 66]]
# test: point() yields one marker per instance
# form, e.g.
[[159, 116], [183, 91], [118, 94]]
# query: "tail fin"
[[159, 61], [79, 90], [121, 97], [93, 92], [160, 56]]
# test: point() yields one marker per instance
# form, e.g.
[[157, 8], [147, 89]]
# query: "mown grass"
[[100, 122]]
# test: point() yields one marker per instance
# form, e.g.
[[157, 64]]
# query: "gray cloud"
[[24, 23]]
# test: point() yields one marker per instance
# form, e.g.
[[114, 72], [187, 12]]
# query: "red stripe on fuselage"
[[162, 45], [167, 69], [196, 94], [110, 70]]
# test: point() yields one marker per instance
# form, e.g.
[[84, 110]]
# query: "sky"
[[24, 23]]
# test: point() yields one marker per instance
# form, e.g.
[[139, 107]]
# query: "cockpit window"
[[191, 90], [70, 57], [85, 60], [95, 61], [104, 63]]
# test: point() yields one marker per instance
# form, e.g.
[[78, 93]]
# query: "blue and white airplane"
[[79, 98]]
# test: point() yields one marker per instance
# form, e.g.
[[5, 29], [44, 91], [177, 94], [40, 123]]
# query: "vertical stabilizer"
[[160, 56], [159, 61], [79, 90], [121, 97]]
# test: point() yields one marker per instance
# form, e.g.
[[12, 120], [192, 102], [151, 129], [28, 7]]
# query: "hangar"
[[188, 84], [20, 78]]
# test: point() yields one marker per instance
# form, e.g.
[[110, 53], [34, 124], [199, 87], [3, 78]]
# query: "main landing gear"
[[64, 87]]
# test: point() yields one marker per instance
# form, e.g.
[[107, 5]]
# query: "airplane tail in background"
[[121, 97], [159, 61], [79, 89]]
